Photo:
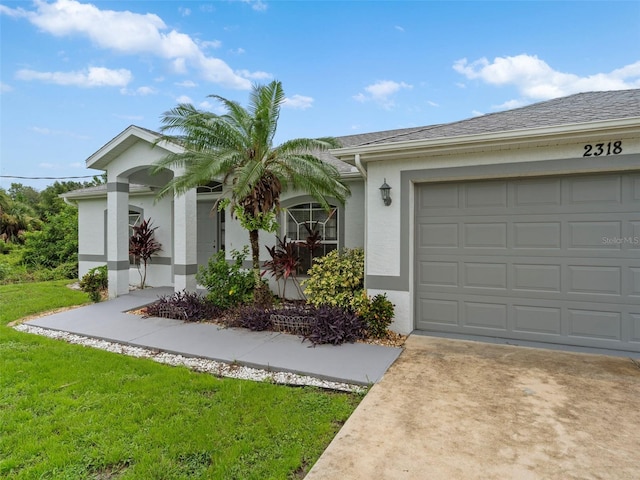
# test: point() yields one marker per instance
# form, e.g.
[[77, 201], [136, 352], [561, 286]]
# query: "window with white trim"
[[313, 229], [135, 219]]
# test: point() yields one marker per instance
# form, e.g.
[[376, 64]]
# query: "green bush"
[[377, 313], [336, 279], [5, 270], [61, 272], [55, 244], [67, 270], [94, 282], [5, 248], [228, 284]]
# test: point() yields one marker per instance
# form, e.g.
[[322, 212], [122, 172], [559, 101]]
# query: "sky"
[[74, 73]]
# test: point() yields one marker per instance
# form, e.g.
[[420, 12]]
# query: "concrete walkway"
[[356, 363]]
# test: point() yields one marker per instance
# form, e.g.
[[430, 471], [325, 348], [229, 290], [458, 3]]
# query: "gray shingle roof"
[[578, 108]]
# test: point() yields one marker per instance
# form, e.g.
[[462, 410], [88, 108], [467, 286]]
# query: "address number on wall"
[[595, 150]]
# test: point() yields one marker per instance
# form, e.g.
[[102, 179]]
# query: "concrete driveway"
[[452, 409]]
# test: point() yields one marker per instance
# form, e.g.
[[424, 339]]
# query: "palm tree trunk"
[[255, 250], [255, 256]]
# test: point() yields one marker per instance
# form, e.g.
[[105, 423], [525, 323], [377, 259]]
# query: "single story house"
[[522, 224]]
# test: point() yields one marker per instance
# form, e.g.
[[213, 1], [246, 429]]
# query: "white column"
[[185, 237], [118, 237]]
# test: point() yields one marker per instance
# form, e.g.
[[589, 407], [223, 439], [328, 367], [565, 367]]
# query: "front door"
[[210, 231]]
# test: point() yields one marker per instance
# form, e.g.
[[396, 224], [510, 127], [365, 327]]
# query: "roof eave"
[[102, 193], [485, 141], [125, 139]]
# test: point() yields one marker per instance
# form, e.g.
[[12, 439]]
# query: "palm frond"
[[237, 148]]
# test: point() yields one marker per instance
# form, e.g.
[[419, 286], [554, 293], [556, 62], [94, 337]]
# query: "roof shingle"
[[577, 108]]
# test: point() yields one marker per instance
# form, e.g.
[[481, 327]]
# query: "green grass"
[[71, 412]]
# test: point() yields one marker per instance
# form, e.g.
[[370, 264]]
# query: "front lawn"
[[71, 412]]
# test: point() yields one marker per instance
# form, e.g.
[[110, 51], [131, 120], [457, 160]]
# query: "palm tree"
[[237, 149], [16, 218]]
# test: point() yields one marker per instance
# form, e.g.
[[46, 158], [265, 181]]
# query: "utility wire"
[[46, 178]]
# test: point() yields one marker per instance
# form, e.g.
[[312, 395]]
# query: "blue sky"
[[74, 74]]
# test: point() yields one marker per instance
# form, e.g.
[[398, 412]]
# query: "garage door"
[[546, 259]]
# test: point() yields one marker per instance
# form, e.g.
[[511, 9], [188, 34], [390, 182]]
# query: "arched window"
[[313, 229]]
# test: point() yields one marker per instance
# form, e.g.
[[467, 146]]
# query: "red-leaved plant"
[[283, 265], [142, 245]]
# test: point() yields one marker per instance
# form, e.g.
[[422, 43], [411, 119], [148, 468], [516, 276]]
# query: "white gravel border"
[[204, 365]]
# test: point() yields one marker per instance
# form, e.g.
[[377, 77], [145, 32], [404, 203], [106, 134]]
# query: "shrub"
[[335, 325], [377, 314], [253, 317], [228, 284], [94, 282], [284, 264], [67, 270], [55, 244], [188, 306], [5, 270], [142, 246], [63, 271], [336, 278]]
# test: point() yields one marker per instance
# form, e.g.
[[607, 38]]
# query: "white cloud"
[[360, 97], [146, 91], [5, 88], [510, 104], [130, 33], [255, 75], [399, 28], [298, 102], [432, 104], [381, 92], [257, 5], [210, 44], [184, 99], [142, 91], [185, 12], [13, 12], [238, 51], [91, 77], [187, 84], [215, 108], [536, 80]]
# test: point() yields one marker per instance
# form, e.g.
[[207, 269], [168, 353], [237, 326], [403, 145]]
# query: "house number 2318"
[[611, 148]]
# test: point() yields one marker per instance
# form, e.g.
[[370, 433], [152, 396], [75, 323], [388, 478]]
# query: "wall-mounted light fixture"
[[385, 191]]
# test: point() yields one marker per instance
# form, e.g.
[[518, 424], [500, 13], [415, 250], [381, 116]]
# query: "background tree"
[[49, 202], [237, 149], [24, 194], [39, 231], [16, 218], [55, 244]]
